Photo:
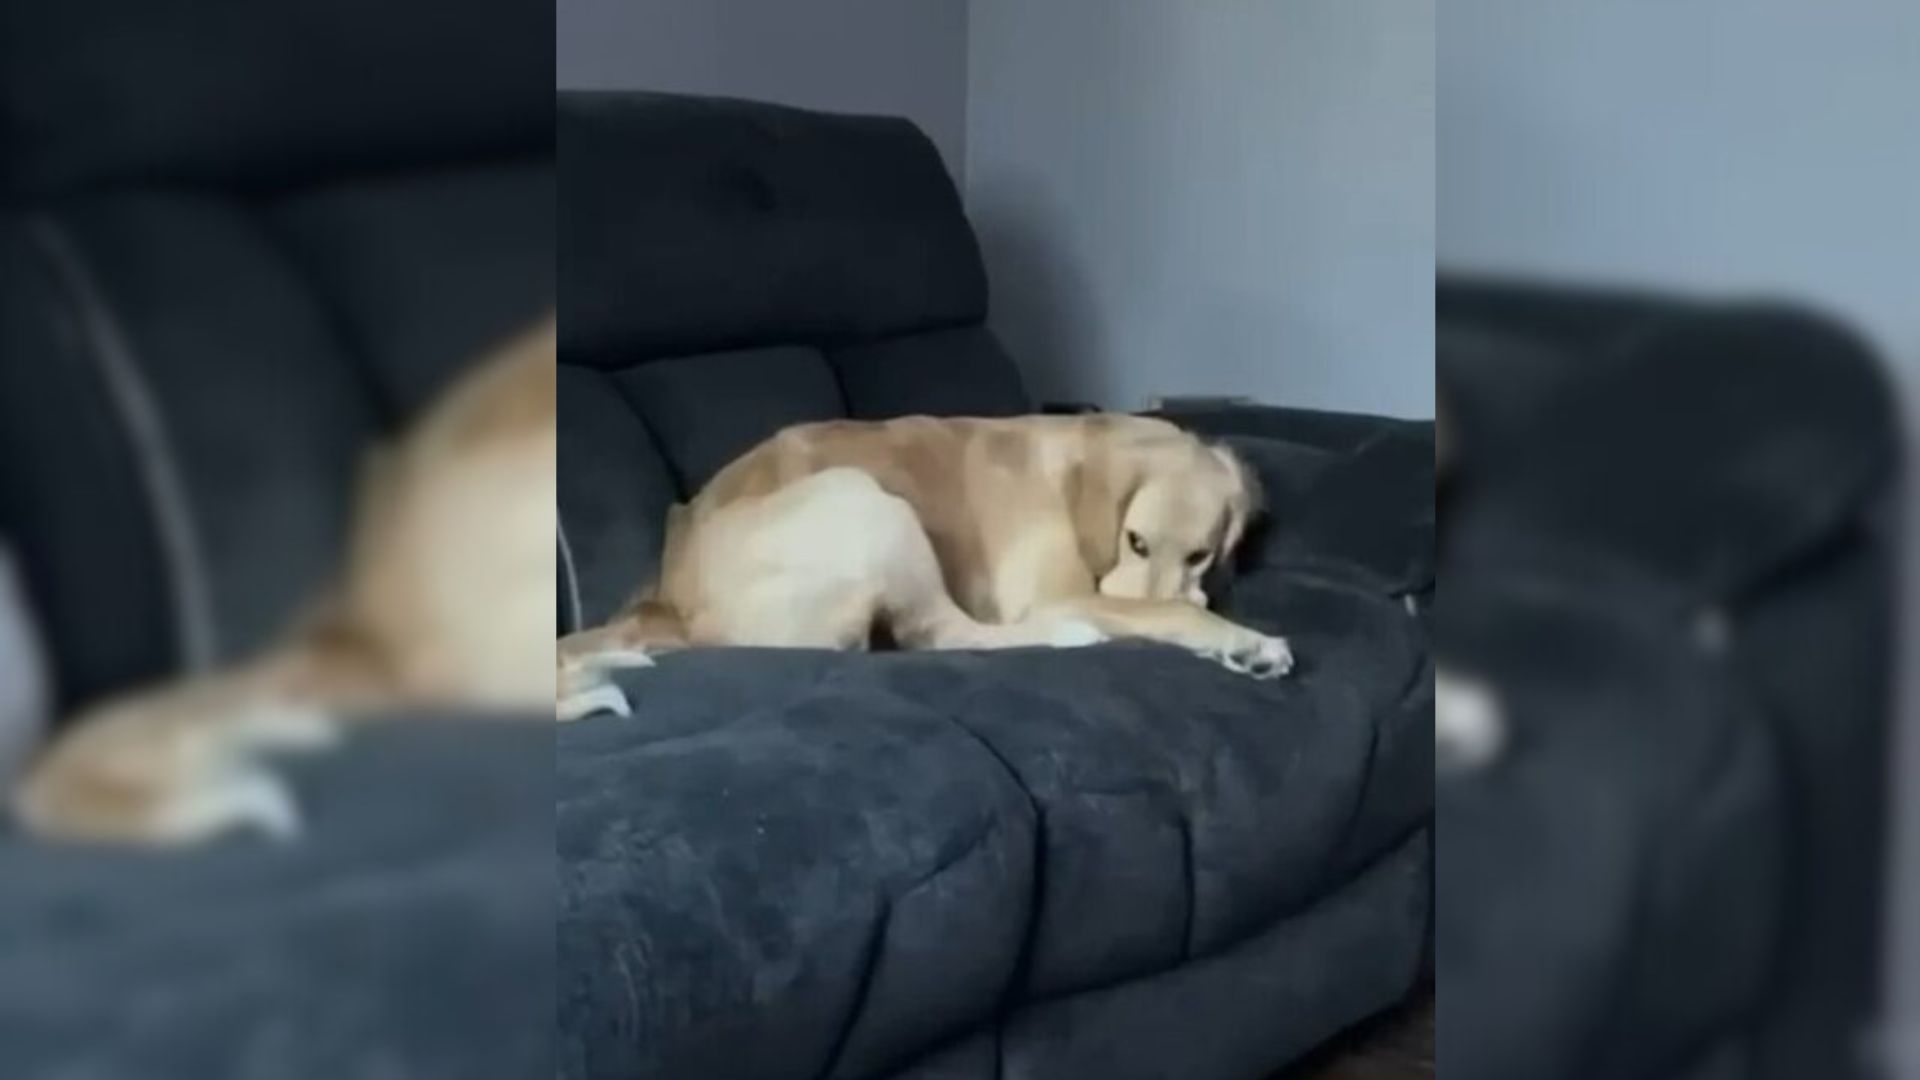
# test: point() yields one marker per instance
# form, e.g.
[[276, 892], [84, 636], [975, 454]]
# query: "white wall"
[[899, 57], [1742, 145], [1174, 196], [1209, 196]]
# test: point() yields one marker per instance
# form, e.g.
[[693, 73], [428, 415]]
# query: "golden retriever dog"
[[446, 597], [944, 534]]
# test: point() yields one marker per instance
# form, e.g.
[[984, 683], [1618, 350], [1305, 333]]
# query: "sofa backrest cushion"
[[694, 224], [728, 269], [105, 93], [1760, 431], [189, 380], [238, 242]]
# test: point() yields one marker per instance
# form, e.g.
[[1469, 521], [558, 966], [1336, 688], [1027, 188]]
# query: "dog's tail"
[[646, 628], [649, 625], [184, 761], [652, 624], [650, 621]]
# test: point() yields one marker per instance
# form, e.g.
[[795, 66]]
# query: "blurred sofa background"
[[1671, 551], [1621, 159], [238, 245]]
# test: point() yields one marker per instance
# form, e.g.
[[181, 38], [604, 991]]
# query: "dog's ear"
[[1099, 489], [1244, 505]]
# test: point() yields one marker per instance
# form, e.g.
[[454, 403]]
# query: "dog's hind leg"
[[176, 765], [817, 564], [588, 658], [832, 557], [787, 569], [920, 611]]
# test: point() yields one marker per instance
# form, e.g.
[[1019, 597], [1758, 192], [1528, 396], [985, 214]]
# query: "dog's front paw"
[[1074, 634], [1259, 656]]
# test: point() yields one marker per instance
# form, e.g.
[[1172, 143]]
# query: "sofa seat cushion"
[[408, 932], [1375, 649], [188, 382], [860, 856], [1304, 964]]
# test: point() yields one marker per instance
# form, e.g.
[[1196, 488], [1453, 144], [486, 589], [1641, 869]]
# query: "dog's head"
[[1187, 511]]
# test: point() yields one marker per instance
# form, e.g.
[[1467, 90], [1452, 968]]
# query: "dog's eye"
[[1198, 557], [1138, 545]]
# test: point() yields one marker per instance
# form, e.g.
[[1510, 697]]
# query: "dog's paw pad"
[[603, 697], [1264, 658]]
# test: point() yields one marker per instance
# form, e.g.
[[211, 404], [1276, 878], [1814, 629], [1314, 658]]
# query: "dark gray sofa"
[[1673, 552], [1118, 862], [235, 244]]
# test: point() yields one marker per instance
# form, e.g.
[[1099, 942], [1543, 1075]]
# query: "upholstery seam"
[[116, 363], [1192, 915], [1036, 892], [857, 1004], [1364, 789], [680, 486], [1401, 842], [888, 904], [1023, 961], [1339, 884], [578, 617], [358, 351], [830, 357]]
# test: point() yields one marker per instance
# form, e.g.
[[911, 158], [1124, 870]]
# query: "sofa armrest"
[[1362, 514], [1339, 432]]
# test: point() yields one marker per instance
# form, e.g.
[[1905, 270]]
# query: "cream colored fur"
[[944, 534]]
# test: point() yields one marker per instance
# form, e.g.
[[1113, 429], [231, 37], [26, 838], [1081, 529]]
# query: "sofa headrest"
[[1712, 452], [1581, 321], [242, 94], [744, 225]]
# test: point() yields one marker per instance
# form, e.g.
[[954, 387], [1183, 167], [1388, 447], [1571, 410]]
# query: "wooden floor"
[[1397, 1045]]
